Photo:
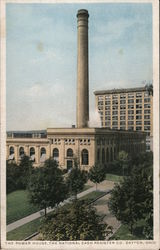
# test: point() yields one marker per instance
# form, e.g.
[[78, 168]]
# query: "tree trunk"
[[45, 211]]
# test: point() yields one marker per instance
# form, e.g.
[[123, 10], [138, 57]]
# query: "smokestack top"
[[82, 12]]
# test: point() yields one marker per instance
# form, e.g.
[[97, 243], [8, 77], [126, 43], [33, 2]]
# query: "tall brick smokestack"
[[82, 70]]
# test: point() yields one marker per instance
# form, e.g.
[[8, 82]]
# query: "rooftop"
[[122, 90]]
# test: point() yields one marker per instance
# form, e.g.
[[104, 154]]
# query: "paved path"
[[103, 186]]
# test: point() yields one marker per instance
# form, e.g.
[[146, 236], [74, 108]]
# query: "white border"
[[80, 244]]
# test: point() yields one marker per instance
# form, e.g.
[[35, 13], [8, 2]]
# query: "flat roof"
[[122, 90]]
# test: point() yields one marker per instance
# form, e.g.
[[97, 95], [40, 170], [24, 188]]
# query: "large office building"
[[88, 145], [127, 109]]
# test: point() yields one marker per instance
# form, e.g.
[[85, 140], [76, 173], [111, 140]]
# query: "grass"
[[113, 177], [18, 206], [24, 231], [123, 232]]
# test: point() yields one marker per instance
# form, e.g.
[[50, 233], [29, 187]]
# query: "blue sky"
[[42, 58]]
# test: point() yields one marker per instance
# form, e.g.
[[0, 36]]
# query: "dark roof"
[[125, 90]]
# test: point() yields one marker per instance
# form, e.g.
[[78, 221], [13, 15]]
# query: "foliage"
[[97, 174], [129, 199], [18, 175], [76, 180], [76, 222], [46, 185]]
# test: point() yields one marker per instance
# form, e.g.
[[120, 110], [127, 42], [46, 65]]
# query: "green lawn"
[[18, 206], [24, 231], [112, 177], [123, 233]]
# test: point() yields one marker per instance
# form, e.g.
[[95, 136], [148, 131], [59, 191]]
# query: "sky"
[[41, 58]]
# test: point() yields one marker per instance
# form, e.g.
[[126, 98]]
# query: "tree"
[[26, 169], [12, 177], [46, 185], [76, 180], [123, 161], [75, 222], [129, 198], [97, 174]]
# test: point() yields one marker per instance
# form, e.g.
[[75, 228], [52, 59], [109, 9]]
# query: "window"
[[115, 107], [147, 106], [122, 117], [100, 103], [130, 95], [123, 123], [122, 128], [138, 100], [111, 154], [107, 113], [138, 111], [69, 152], [147, 123], [103, 156], [115, 97], [107, 107], [32, 151], [130, 106], [100, 107], [21, 152], [147, 117], [130, 117], [138, 128], [107, 97], [122, 96], [107, 155], [11, 150], [138, 122], [107, 102], [107, 124], [138, 94], [130, 122], [43, 151], [115, 102], [130, 112], [147, 128], [122, 101], [122, 112], [115, 118], [138, 117], [146, 99], [115, 123], [122, 107], [130, 128], [98, 154], [100, 98], [55, 153], [131, 101], [139, 106], [146, 94], [85, 157], [114, 127], [147, 111], [107, 118], [115, 113]]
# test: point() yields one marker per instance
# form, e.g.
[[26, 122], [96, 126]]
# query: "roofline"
[[125, 90]]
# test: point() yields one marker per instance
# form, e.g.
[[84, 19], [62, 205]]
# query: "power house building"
[[89, 145]]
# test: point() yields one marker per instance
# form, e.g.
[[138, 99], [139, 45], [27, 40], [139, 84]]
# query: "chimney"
[[82, 69]]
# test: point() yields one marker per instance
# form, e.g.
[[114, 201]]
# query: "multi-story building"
[[127, 109]]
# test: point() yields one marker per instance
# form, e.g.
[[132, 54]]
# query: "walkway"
[[103, 186]]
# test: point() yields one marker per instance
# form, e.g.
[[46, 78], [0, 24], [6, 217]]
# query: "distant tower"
[[82, 70]]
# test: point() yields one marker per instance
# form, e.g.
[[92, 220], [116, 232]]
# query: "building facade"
[[89, 146], [127, 109]]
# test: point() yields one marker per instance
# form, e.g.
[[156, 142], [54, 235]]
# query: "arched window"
[[98, 155], [55, 153], [103, 156], [43, 151], [85, 157], [69, 152], [114, 153], [107, 155], [21, 152], [32, 151], [111, 154], [11, 150]]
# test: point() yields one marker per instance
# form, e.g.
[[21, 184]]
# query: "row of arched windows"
[[55, 154], [106, 156]]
